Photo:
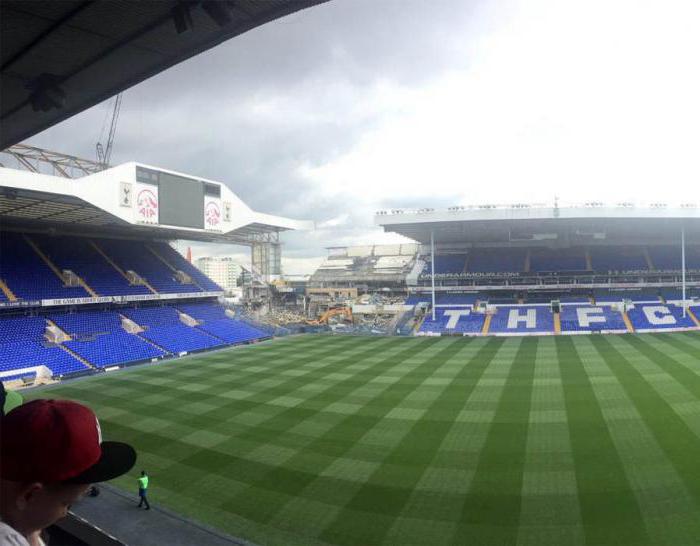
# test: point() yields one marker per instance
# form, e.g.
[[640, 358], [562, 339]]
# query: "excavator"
[[332, 312]]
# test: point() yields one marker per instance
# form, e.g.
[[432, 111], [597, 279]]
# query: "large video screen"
[[181, 201]]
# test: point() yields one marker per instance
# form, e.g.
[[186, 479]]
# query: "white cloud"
[[593, 100]]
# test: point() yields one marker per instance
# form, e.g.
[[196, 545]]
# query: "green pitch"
[[362, 441]]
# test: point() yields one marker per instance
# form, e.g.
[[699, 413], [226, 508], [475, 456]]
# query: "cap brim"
[[117, 459]]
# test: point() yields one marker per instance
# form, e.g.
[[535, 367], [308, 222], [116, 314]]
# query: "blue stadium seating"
[[574, 298], [445, 299], [544, 259], [612, 296], [27, 275], [658, 317], [665, 258], [215, 322], [164, 328], [117, 347], [449, 263], [135, 256], [22, 345], [668, 258], [696, 310], [496, 260], [457, 320], [99, 338], [616, 258], [78, 255], [587, 318], [203, 311], [532, 319]]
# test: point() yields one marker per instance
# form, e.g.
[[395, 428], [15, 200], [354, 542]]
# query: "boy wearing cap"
[[51, 451]]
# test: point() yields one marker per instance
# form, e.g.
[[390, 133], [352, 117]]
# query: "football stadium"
[[515, 374]]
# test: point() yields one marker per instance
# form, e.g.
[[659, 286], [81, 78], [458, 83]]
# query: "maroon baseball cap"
[[59, 441]]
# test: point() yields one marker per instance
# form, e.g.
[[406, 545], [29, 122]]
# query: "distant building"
[[223, 271]]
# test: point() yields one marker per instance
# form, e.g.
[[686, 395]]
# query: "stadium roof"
[[59, 58], [542, 224], [34, 201]]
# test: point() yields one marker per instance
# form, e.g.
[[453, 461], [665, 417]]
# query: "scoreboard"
[[176, 200]]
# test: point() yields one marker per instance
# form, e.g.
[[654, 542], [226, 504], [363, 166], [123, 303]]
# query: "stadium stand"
[[589, 318], [448, 264], [213, 320], [522, 319], [618, 258], [136, 256], [665, 258], [162, 326], [27, 275], [98, 337], [445, 299], [574, 298], [176, 260], [497, 260], [448, 321], [612, 296], [80, 256], [658, 317], [23, 345], [545, 259]]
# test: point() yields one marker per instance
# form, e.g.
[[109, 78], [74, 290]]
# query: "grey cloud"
[[315, 66]]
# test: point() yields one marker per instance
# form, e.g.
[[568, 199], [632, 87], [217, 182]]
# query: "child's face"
[[43, 505]]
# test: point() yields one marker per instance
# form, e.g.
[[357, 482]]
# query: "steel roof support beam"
[[61, 163]]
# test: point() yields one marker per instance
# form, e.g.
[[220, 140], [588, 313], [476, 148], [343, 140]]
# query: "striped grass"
[[316, 440]]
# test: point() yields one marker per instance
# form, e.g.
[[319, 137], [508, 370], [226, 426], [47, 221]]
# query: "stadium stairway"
[[153, 344], [169, 265], [557, 323], [53, 267], [589, 262], [68, 350], [628, 322], [419, 323], [111, 262], [77, 356], [647, 258], [9, 294], [487, 324], [528, 261], [694, 317]]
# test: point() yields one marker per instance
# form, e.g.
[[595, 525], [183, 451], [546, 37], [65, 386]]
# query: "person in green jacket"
[[143, 490]]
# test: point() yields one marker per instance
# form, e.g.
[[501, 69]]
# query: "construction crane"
[[104, 153]]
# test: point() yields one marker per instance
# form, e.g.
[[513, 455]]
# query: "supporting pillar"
[[685, 303], [432, 269]]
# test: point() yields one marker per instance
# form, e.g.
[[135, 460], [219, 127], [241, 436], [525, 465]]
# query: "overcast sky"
[[359, 105]]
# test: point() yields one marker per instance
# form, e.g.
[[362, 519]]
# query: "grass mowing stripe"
[[682, 345], [600, 473], [130, 382], [550, 505], [670, 512], [166, 442], [336, 441], [288, 418], [684, 375], [663, 422], [491, 508], [413, 454]]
